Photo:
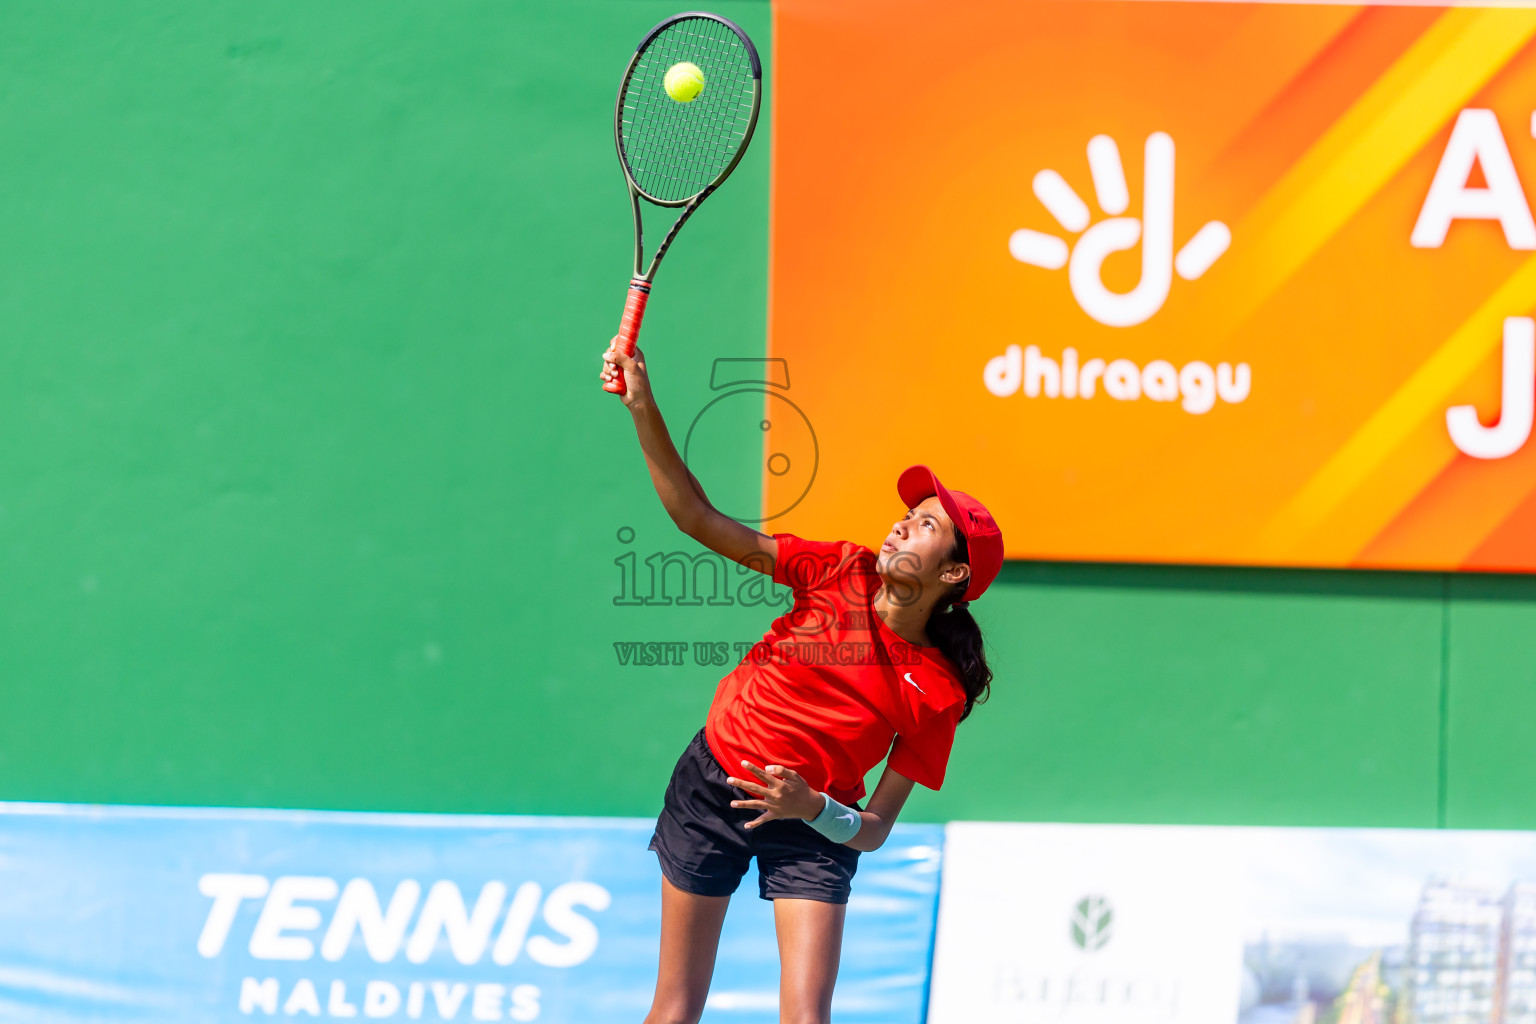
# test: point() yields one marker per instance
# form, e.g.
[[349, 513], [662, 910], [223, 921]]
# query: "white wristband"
[[837, 822]]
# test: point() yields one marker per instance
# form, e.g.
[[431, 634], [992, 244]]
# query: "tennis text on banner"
[[288, 926]]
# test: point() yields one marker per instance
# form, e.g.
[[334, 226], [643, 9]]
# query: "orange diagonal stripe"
[[1367, 146], [1424, 395]]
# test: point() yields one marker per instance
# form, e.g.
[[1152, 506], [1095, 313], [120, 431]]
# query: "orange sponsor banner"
[[1172, 282]]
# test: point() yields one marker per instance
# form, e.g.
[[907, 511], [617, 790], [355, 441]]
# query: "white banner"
[[1089, 924], [1118, 924]]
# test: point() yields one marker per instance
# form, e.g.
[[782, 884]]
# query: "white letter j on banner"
[[1519, 400]]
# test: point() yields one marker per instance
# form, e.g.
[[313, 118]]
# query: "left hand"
[[782, 794]]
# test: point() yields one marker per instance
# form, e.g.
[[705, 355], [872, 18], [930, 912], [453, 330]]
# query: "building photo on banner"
[[875, 511]]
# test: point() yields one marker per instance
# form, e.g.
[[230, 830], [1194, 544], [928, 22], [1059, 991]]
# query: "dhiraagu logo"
[[1093, 923], [1096, 242], [1197, 384]]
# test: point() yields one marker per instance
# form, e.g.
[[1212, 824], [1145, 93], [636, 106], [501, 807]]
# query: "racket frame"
[[643, 276]]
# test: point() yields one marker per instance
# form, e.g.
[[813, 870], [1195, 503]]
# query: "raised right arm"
[[680, 491]]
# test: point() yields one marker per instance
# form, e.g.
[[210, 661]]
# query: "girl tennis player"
[[877, 659]]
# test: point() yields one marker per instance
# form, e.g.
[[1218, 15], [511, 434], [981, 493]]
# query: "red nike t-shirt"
[[831, 689]]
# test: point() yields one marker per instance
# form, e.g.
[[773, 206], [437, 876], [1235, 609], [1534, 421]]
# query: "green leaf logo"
[[1093, 921]]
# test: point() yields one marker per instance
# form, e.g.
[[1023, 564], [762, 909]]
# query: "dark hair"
[[955, 632]]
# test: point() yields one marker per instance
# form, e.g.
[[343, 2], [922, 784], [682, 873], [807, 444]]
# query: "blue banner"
[[167, 914]]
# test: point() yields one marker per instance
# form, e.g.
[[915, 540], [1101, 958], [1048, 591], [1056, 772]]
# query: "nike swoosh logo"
[[908, 678], [849, 817]]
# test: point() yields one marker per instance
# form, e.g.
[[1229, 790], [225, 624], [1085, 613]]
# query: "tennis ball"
[[684, 81]]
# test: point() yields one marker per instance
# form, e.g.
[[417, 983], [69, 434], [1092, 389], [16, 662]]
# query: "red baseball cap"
[[983, 540]]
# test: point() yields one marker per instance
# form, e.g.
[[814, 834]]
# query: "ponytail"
[[953, 629]]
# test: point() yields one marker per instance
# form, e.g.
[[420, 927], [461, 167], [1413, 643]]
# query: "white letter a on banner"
[[1475, 139]]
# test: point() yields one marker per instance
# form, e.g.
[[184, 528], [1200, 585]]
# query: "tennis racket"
[[674, 154]]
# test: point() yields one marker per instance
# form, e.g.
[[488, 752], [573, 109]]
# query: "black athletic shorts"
[[705, 848]]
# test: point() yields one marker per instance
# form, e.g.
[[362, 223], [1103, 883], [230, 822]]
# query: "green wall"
[[309, 497]]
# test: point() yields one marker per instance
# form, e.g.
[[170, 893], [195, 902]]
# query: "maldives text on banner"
[[171, 914], [1194, 282], [1114, 924]]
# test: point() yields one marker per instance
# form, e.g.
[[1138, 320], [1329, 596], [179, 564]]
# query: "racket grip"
[[629, 327]]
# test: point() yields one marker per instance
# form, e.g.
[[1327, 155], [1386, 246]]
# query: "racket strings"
[[675, 150], [688, 151]]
